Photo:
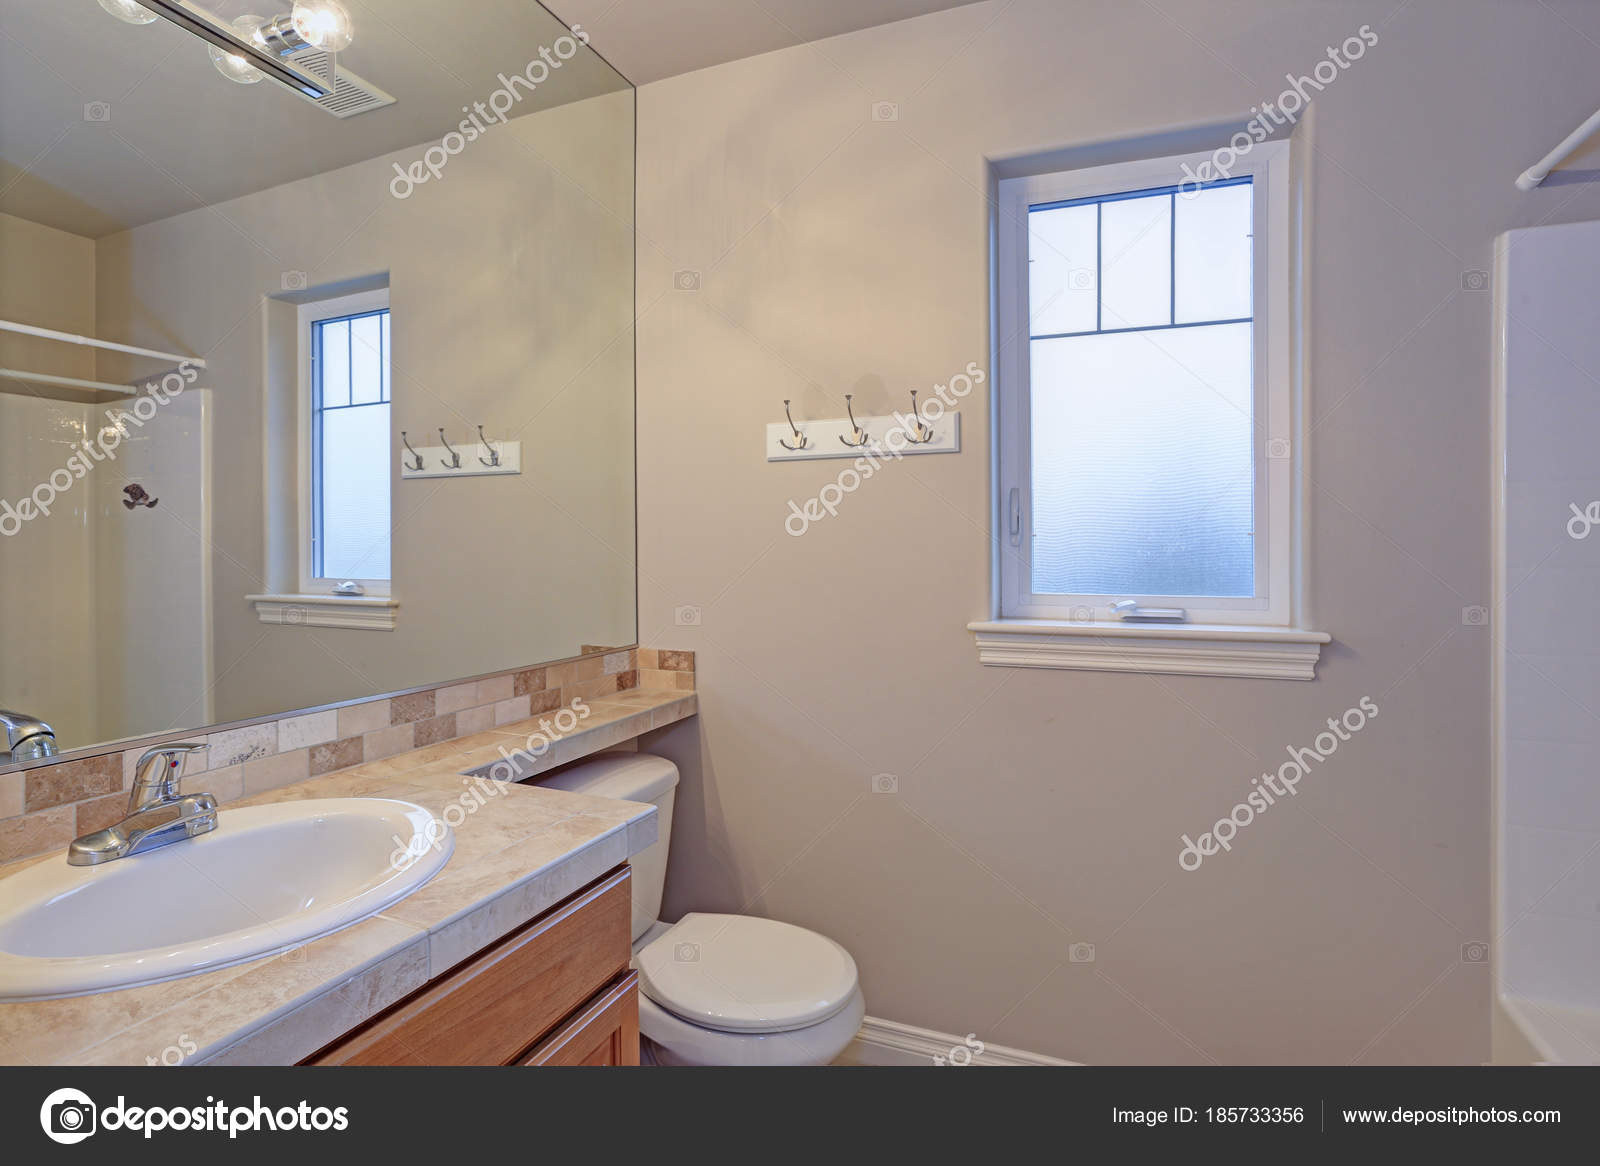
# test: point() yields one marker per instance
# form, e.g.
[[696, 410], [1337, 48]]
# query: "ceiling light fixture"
[[324, 26], [236, 67], [128, 12], [249, 44]]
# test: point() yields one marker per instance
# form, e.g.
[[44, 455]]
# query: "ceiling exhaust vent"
[[351, 94]]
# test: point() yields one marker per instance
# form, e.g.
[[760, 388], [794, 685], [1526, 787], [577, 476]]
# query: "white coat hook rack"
[[445, 461], [893, 435]]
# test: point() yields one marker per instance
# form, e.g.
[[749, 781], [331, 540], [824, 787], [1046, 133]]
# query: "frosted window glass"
[[352, 448], [1143, 463], [1213, 254], [1136, 262], [335, 367], [366, 360], [355, 493], [1061, 270]]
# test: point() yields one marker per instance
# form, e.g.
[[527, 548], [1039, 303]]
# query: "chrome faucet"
[[157, 813], [26, 738]]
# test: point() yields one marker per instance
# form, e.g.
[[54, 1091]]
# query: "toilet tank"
[[632, 777]]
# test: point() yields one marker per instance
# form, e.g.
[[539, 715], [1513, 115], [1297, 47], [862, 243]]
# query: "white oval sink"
[[267, 879]]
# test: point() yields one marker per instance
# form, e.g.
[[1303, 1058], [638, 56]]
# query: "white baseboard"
[[887, 1042]]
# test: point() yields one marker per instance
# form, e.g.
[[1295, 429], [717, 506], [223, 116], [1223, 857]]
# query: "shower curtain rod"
[[92, 342], [1540, 170]]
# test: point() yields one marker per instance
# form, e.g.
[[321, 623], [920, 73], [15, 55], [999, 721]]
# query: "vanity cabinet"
[[557, 991]]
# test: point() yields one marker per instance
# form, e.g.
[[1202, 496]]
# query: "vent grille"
[[351, 94]]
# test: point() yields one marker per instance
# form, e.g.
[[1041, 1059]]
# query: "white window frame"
[[1258, 636], [311, 313]]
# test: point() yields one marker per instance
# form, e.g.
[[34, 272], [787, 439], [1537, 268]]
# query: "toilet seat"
[[743, 975], [670, 1040]]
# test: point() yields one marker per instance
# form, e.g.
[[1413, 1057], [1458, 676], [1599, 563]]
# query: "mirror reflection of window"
[[347, 502]]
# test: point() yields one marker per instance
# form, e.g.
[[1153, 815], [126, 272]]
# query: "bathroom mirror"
[[243, 249]]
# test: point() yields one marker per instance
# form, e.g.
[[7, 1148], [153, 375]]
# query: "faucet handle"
[[169, 758]]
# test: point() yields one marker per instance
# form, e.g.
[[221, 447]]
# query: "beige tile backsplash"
[[44, 808]]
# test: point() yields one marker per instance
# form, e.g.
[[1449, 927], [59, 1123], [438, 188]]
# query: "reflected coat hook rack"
[[445, 461]]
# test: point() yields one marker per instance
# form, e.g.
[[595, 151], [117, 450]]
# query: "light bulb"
[[236, 67], [324, 24], [128, 11]]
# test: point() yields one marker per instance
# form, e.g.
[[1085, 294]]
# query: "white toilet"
[[721, 989]]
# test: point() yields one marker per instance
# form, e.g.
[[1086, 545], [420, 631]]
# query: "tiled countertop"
[[515, 857]]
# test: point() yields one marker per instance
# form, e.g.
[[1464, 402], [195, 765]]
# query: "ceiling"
[[177, 136], [652, 39], [180, 136]]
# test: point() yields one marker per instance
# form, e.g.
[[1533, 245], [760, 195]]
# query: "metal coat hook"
[[455, 459], [856, 431], [923, 433], [494, 455], [412, 452], [801, 441]]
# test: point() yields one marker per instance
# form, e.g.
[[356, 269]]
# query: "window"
[[1146, 425], [346, 409]]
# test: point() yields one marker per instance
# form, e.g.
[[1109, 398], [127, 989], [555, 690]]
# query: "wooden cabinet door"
[[606, 1032], [491, 1009]]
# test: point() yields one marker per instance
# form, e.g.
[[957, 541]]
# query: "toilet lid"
[[736, 973]]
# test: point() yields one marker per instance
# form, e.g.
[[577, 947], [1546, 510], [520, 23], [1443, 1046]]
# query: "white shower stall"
[[1546, 624]]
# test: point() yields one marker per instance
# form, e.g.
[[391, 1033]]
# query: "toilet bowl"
[[721, 989]]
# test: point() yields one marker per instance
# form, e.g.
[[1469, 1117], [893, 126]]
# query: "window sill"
[[1268, 653], [362, 612]]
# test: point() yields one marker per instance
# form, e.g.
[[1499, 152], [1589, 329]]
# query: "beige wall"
[[1036, 809], [47, 567], [510, 278]]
